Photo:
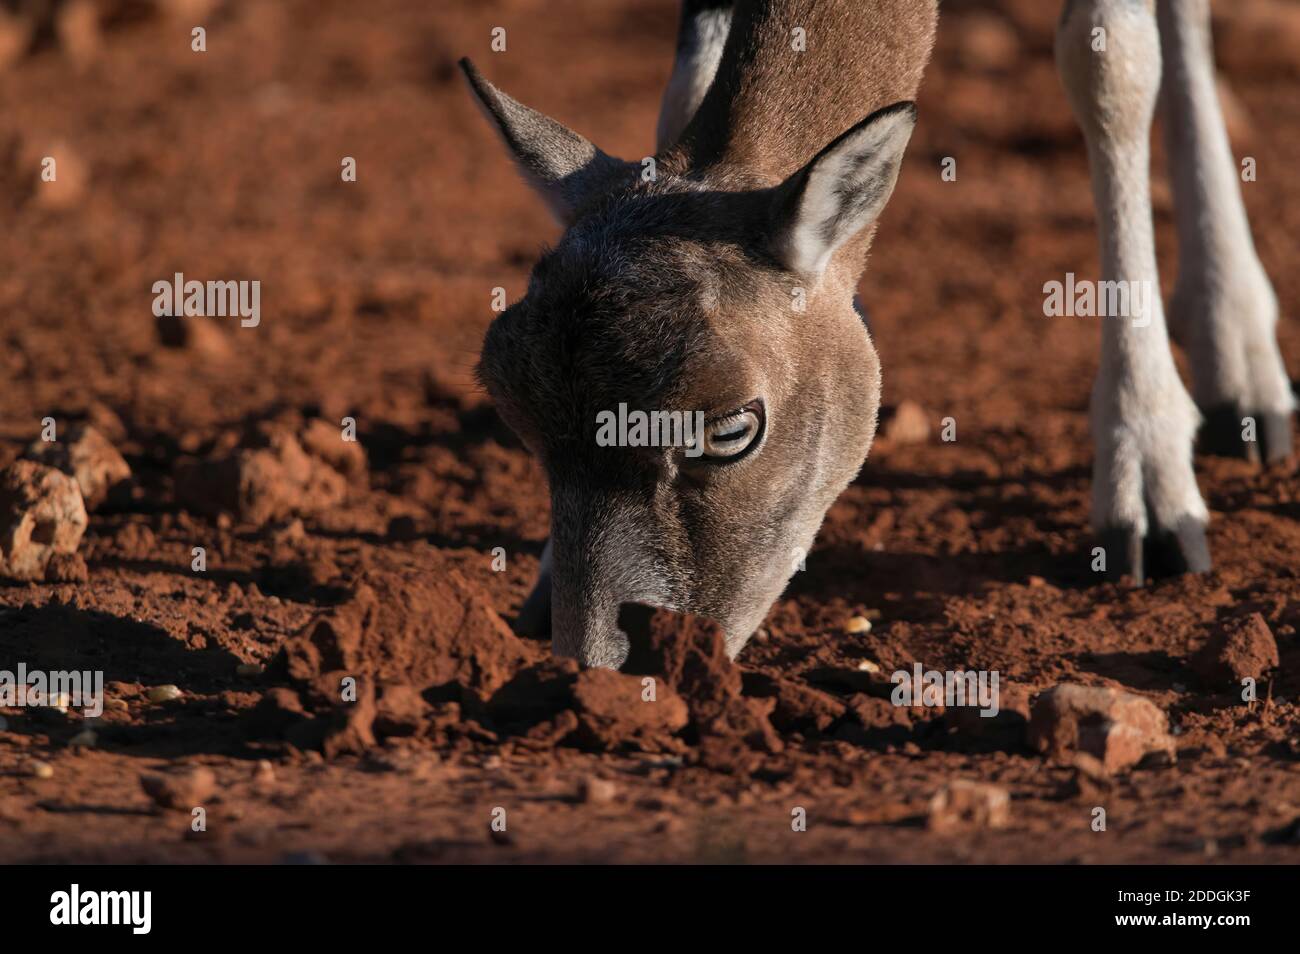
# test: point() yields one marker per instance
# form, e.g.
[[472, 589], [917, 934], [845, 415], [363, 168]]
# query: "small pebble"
[[85, 738], [163, 693], [867, 665], [598, 791], [42, 769], [858, 624]]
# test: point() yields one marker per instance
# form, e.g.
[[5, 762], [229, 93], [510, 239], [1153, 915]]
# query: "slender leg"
[[1223, 310], [1146, 507]]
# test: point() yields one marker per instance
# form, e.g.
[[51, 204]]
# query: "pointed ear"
[[563, 167], [841, 191]]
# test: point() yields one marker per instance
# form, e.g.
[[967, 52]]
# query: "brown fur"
[[673, 294]]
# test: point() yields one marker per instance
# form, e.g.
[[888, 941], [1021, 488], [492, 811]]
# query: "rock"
[[597, 791], [351, 728], [857, 624], [401, 711], [1089, 774], [415, 620], [71, 175], [536, 694], [105, 420], [100, 471], [194, 333], [798, 708], [324, 441], [164, 693], [275, 713], [690, 653], [1115, 727], [963, 803], [909, 424], [182, 790], [611, 710], [268, 478], [67, 568], [1238, 648], [41, 514]]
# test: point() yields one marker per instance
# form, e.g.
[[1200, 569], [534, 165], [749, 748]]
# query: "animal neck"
[[796, 73]]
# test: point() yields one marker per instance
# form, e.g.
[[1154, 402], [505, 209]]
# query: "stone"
[[41, 513], [83, 452], [1117, 728]]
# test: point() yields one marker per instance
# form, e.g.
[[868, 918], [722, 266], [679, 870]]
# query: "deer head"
[[713, 287]]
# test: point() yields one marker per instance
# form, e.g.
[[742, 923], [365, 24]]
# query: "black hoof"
[[1226, 432], [1275, 441], [1122, 555], [1223, 433], [1164, 551]]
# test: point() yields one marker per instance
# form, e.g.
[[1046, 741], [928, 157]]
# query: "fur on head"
[[712, 290]]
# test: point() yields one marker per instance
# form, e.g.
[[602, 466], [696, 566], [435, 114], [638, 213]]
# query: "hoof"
[[1222, 431], [1164, 551]]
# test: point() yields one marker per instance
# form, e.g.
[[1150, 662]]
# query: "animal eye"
[[728, 437]]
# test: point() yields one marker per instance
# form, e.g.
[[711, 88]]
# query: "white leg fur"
[[1223, 309], [1143, 421]]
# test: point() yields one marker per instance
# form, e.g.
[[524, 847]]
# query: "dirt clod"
[[41, 514], [83, 452], [966, 803], [268, 477], [1115, 727], [1238, 648], [180, 790], [908, 424]]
